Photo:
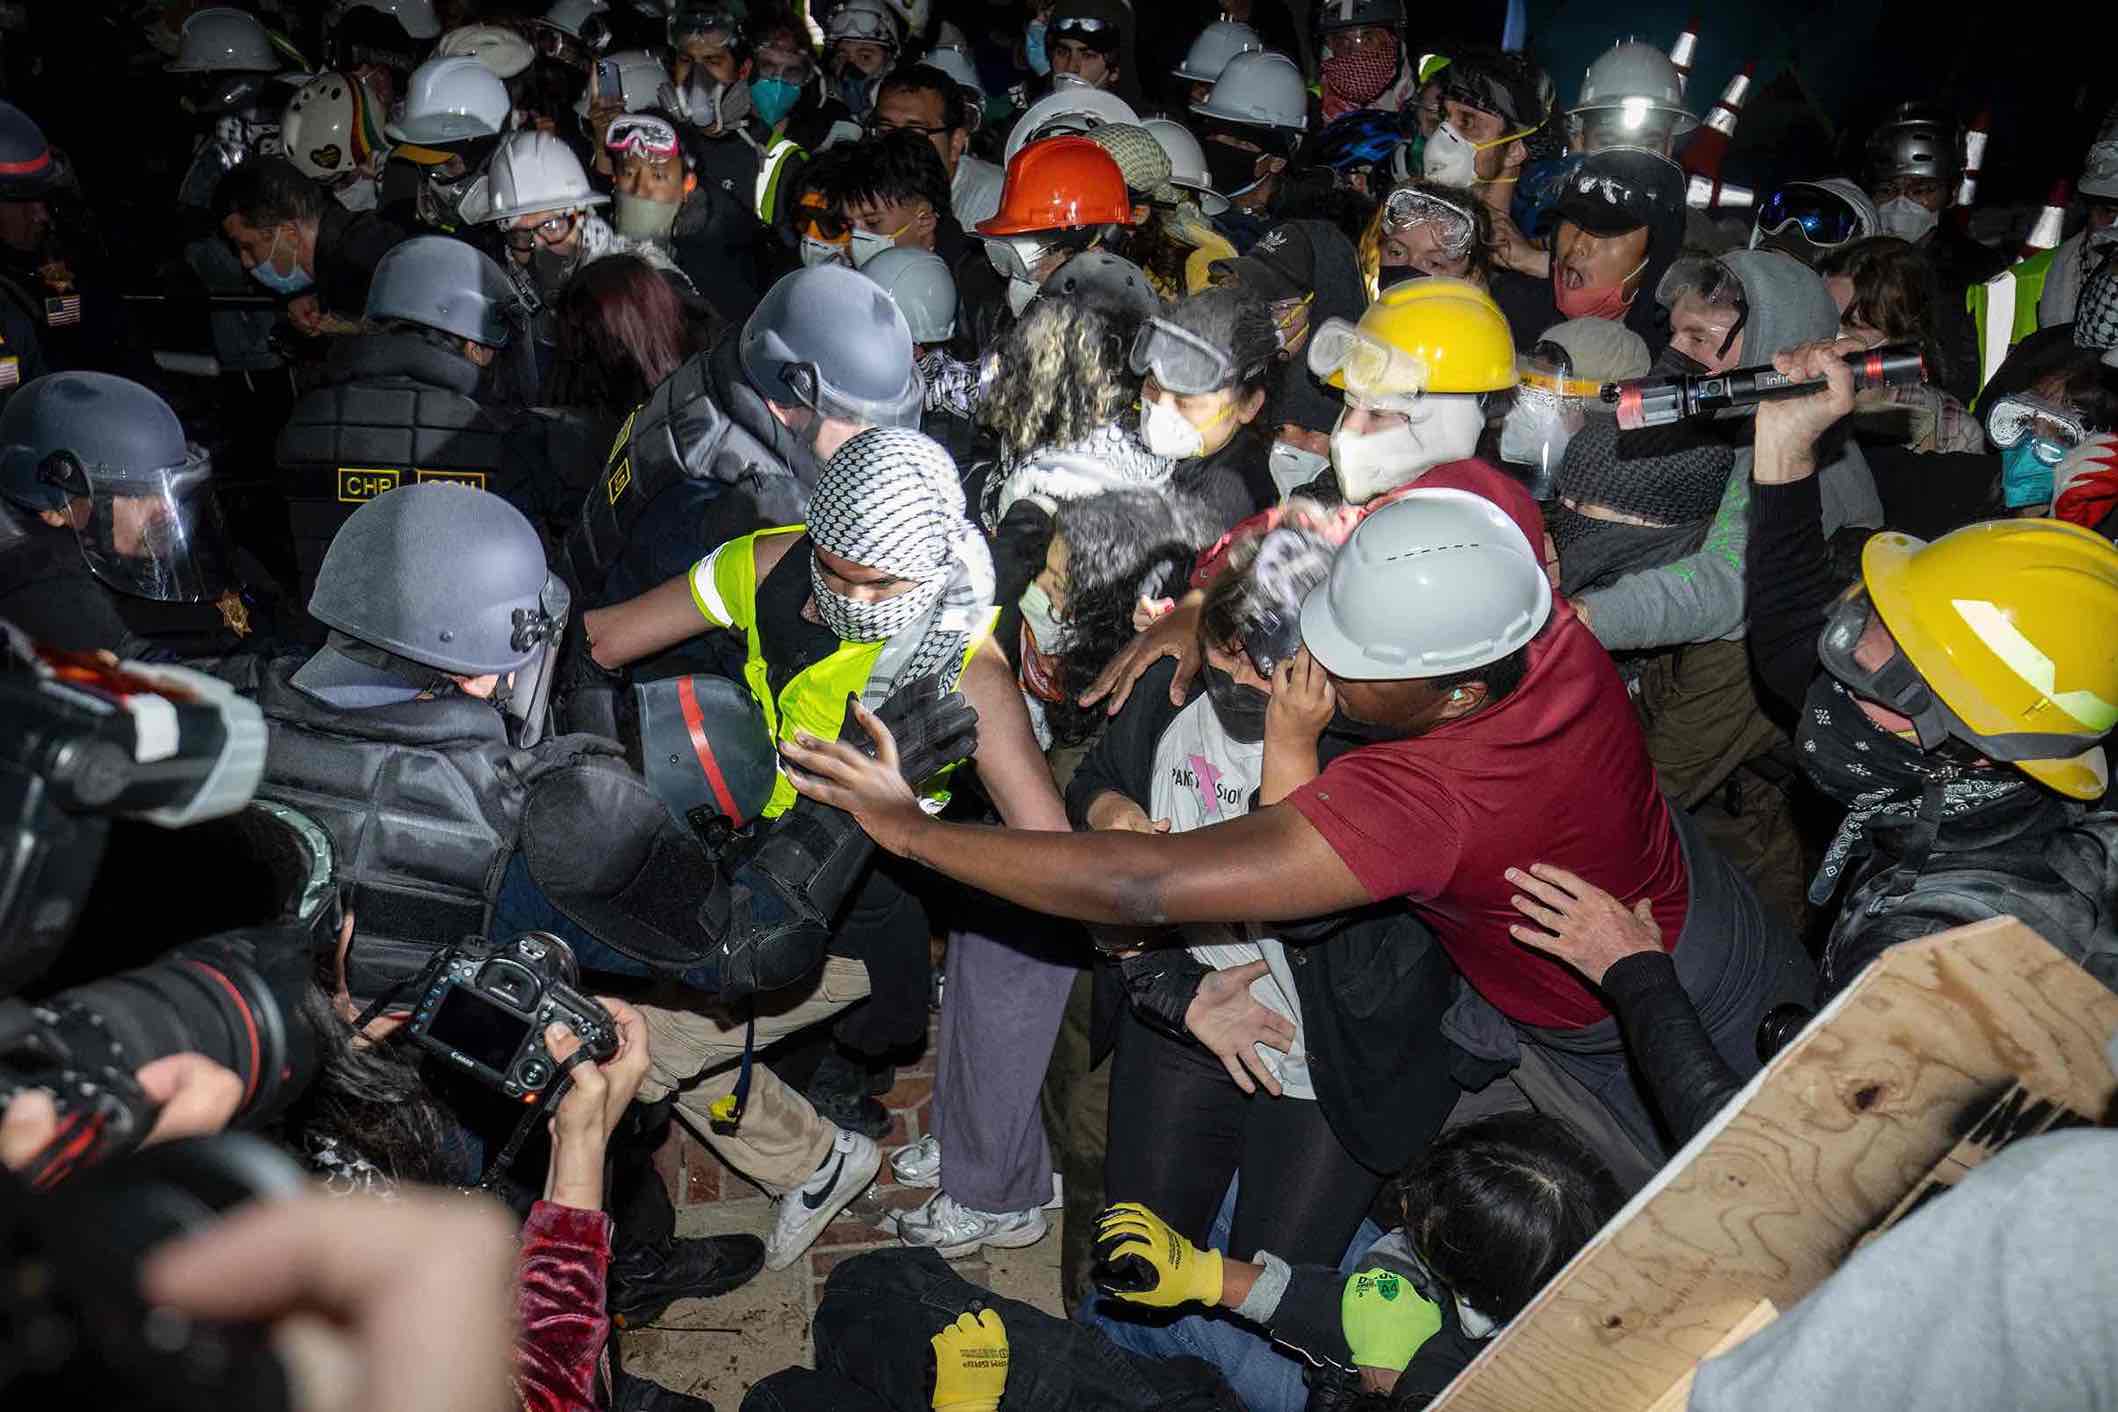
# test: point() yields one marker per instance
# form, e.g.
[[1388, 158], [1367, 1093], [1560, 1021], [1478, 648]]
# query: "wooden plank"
[[1828, 1139], [1761, 1314]]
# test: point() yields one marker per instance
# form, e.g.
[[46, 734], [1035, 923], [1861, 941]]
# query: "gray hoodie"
[[1700, 598]]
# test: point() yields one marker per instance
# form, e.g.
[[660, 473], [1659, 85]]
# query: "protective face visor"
[[1549, 406], [1179, 359], [813, 391], [1857, 649], [1368, 369], [1632, 122], [2056, 429], [1453, 226], [539, 631], [149, 533], [1714, 284], [1802, 211], [642, 134]]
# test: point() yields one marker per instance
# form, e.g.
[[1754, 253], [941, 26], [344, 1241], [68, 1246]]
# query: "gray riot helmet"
[[435, 576], [442, 283], [111, 456], [1918, 140], [1630, 97], [919, 283], [1111, 285], [829, 339], [705, 751]]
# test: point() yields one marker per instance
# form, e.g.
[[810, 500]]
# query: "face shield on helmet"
[[1549, 405], [154, 533]]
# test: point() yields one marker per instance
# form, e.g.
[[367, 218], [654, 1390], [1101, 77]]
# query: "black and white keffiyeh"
[[890, 499]]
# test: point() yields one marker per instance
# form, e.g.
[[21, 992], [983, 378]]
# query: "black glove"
[[586, 696], [934, 729], [1161, 982]]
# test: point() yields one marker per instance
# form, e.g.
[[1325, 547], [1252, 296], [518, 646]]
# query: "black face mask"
[[1675, 362], [1239, 708], [1232, 168], [1389, 275], [1345, 727]]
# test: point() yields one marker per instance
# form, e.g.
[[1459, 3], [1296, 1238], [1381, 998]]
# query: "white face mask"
[[1292, 467], [867, 244], [1168, 433], [639, 218], [1906, 219], [1449, 158], [2101, 239], [1037, 612], [361, 194], [1020, 293], [822, 252], [1439, 428]]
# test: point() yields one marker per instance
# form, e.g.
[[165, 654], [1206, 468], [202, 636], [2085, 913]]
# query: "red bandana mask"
[[1354, 80]]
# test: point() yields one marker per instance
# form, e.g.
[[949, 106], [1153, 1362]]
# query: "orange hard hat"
[[1060, 183]]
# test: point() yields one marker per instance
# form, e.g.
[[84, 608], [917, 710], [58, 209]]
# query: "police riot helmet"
[[444, 284], [830, 339]]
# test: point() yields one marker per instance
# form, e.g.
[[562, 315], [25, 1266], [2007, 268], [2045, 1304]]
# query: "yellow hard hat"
[[2014, 625], [1423, 335]]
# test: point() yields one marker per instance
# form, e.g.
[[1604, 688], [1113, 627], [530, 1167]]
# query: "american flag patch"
[[62, 310]]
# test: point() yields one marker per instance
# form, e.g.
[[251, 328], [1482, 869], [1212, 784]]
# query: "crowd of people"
[[1136, 532]]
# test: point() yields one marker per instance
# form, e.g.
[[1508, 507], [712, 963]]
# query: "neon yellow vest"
[[781, 156], [724, 589], [2005, 310]]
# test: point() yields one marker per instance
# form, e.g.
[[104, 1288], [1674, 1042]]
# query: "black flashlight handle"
[[1654, 402]]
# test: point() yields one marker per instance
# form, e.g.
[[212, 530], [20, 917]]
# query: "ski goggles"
[[642, 135], [2011, 419], [1826, 218], [1858, 650], [1179, 359], [1366, 367], [1099, 32], [1454, 226]]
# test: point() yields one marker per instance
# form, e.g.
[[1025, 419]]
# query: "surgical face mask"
[[1239, 708], [268, 273], [1043, 624], [823, 252], [1293, 467], [1169, 432], [641, 218], [1593, 301], [2026, 471], [1033, 48], [774, 98], [1905, 218], [1020, 293]]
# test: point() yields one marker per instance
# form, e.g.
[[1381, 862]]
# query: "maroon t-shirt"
[[1557, 773]]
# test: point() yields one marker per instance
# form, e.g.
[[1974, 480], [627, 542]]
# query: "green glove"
[[971, 1363], [1385, 1319], [1138, 1257]]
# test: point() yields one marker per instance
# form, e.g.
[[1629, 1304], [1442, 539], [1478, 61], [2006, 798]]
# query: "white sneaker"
[[801, 1215], [955, 1231], [919, 1163]]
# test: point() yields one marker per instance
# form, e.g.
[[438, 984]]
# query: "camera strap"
[[528, 1123], [727, 1111]]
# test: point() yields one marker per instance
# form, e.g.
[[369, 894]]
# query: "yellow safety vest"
[[2005, 310]]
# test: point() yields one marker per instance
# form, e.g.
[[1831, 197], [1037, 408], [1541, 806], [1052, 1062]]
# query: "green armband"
[[1386, 1320]]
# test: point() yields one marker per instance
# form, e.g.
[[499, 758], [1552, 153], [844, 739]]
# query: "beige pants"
[[696, 1052]]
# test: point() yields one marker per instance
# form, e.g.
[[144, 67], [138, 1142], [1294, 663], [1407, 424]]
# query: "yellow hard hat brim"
[[2083, 776]]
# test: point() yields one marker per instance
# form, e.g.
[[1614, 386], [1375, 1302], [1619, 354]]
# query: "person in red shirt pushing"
[[1500, 733]]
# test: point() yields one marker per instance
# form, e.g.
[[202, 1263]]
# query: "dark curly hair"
[[1897, 293]]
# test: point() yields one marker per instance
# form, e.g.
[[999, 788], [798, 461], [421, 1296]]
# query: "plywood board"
[[1825, 1142]]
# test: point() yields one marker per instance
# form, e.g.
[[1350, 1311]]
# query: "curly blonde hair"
[[1062, 374]]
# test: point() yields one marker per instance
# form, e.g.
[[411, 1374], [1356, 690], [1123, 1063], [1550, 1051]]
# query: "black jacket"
[[349, 245]]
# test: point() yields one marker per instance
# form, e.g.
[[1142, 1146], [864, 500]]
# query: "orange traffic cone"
[[1703, 154], [1680, 53], [2051, 221], [1974, 158]]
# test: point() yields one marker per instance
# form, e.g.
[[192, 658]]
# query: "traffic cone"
[[2051, 221], [1703, 154], [1974, 158], [1680, 53], [1712, 194]]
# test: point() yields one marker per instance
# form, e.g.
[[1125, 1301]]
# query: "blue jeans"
[[1264, 1378]]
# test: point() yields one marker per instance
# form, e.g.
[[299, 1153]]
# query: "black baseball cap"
[[1621, 189], [1282, 265]]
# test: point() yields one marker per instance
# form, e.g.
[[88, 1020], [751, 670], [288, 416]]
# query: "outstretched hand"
[[870, 788], [1173, 634], [1578, 922]]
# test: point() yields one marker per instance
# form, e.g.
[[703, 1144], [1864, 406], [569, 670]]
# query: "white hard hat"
[[1435, 582], [532, 171], [952, 60], [570, 16], [912, 14], [499, 48], [1069, 108], [1187, 163], [640, 80], [869, 20], [451, 99], [417, 16], [221, 41], [919, 283], [329, 127], [1260, 89], [1632, 75], [1216, 45], [2099, 170]]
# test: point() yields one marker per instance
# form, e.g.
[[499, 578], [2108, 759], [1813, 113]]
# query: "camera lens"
[[1779, 1027]]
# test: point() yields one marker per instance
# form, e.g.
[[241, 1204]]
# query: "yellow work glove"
[[1385, 1320], [1139, 1258], [971, 1363]]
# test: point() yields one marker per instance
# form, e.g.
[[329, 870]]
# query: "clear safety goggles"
[[1017, 256], [1085, 27], [1372, 371], [549, 231], [555, 43], [641, 134], [863, 26], [1825, 218], [1453, 226], [152, 534], [2011, 419], [690, 20], [1179, 359]]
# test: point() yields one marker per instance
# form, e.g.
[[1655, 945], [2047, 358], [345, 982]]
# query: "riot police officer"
[[110, 533], [402, 404]]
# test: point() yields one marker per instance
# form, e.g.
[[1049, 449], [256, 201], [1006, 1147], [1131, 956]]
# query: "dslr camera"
[[484, 1009]]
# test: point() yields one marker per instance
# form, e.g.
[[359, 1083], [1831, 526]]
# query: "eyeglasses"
[[1825, 217], [643, 134], [549, 231]]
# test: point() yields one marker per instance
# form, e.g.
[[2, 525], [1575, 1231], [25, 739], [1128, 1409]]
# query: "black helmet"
[[139, 496], [29, 169]]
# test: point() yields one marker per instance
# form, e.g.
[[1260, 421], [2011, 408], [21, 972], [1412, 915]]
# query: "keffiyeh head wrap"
[[890, 499]]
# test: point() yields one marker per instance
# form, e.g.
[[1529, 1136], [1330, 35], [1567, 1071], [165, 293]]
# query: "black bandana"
[[1595, 553], [1240, 708], [1876, 774]]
